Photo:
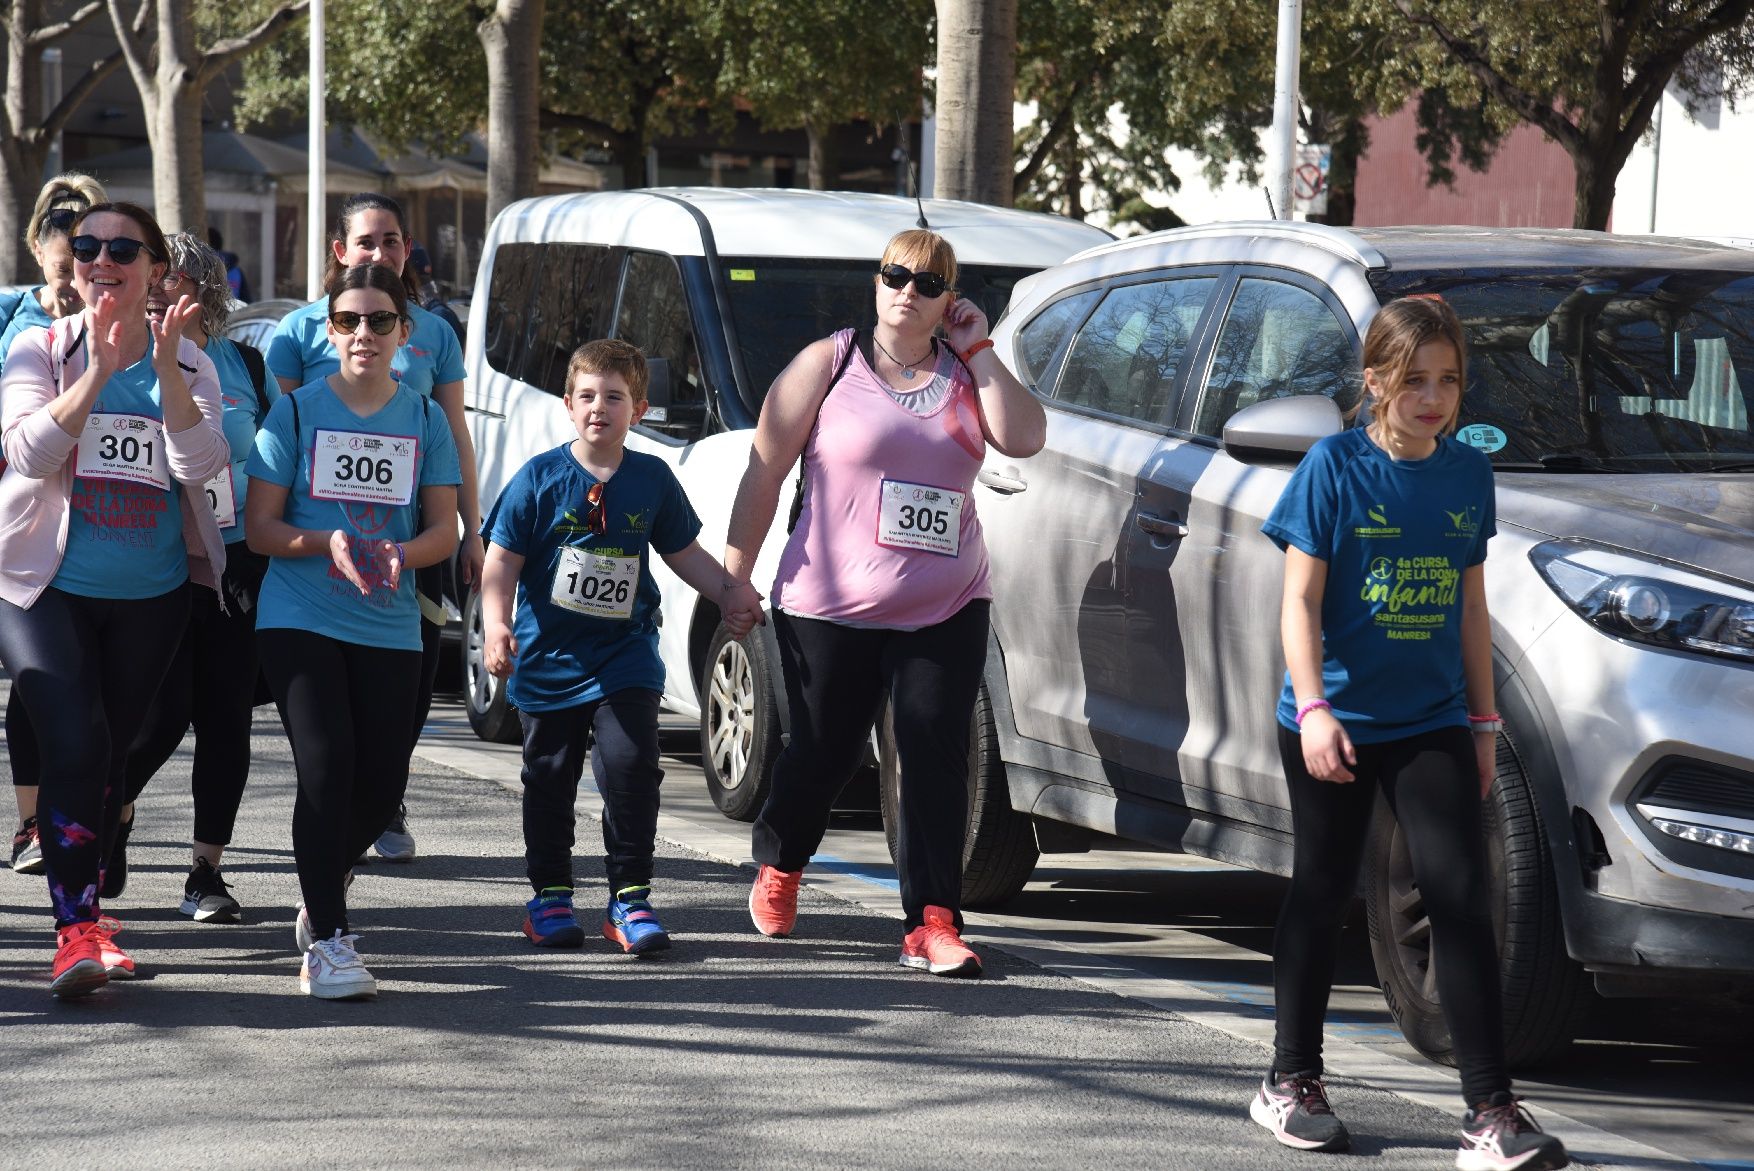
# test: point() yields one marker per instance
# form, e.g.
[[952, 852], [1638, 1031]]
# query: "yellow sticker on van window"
[[742, 274]]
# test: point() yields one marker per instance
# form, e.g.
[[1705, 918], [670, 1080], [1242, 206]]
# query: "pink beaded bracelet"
[[1313, 705]]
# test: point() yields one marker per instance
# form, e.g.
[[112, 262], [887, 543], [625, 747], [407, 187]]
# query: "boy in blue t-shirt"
[[570, 535]]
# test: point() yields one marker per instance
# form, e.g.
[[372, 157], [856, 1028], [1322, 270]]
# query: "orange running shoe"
[[773, 900], [936, 946], [118, 963], [79, 966]]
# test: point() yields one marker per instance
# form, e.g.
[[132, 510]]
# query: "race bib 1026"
[[594, 584], [123, 447], [363, 467], [920, 516]]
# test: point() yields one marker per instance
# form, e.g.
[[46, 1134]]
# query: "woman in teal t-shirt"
[[353, 483]]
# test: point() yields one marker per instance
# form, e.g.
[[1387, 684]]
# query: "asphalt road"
[[1102, 1036]]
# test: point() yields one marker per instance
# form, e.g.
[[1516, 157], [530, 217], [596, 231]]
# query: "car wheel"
[[998, 850], [490, 713], [739, 723], [1546, 993]]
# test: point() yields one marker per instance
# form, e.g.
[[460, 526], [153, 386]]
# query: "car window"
[[1622, 369], [1040, 340], [1277, 340], [576, 288], [654, 317], [1125, 358], [508, 306]]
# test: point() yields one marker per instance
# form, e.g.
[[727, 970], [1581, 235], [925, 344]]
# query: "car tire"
[[739, 722], [1546, 994], [491, 714], [998, 851]]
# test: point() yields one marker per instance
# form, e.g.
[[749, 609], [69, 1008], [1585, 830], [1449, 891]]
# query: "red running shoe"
[[118, 963], [79, 965], [936, 946], [773, 900]]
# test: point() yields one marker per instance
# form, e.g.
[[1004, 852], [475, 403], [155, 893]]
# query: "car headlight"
[[1650, 601]]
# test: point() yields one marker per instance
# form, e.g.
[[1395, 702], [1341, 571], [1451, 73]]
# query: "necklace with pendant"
[[908, 369]]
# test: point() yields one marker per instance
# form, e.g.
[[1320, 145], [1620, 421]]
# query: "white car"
[[719, 287]]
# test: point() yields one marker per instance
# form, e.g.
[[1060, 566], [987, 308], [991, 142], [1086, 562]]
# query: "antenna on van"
[[903, 156]]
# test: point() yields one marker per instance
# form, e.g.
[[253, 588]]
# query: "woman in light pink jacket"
[[111, 428]]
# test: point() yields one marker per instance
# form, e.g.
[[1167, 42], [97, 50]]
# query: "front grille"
[[1706, 788]]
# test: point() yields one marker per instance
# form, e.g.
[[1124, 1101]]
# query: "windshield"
[[1621, 370], [780, 305]]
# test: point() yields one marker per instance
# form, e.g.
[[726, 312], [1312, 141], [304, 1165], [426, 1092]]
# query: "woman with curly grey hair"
[[211, 683]]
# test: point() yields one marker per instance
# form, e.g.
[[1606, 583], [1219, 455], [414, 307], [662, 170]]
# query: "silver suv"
[[1135, 654]]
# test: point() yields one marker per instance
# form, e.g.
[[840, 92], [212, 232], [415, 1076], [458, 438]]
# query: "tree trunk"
[[824, 158], [24, 166], [512, 37], [19, 187], [977, 69]]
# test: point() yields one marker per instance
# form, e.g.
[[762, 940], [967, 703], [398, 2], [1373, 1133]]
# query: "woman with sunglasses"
[[58, 205], [883, 586], [371, 229], [353, 485], [211, 684], [111, 427]]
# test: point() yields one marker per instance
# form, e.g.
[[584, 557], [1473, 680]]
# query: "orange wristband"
[[985, 343]]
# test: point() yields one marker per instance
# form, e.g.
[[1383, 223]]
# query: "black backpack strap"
[[861, 340], [258, 368]]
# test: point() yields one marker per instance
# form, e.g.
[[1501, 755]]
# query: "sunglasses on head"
[[380, 322], [122, 249], [927, 284], [594, 518], [60, 219]]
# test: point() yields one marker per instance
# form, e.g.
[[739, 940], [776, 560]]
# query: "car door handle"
[[1002, 484], [1157, 526]]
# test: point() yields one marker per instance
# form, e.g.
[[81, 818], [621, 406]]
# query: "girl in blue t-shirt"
[[1389, 648], [353, 484], [371, 229]]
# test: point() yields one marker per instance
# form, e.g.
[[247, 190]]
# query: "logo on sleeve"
[[1379, 526]]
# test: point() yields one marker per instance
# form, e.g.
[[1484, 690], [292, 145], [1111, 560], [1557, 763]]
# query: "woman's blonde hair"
[[70, 189], [922, 250], [1395, 335]]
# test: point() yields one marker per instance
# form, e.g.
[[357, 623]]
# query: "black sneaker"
[[1502, 1137], [1295, 1108], [206, 898], [115, 878], [27, 848]]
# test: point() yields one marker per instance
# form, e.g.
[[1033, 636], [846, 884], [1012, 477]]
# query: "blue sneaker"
[[550, 922], [631, 922]]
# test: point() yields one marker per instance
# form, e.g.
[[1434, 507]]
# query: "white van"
[[720, 287]]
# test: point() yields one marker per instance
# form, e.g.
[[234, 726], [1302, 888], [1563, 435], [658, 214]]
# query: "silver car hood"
[[1698, 520]]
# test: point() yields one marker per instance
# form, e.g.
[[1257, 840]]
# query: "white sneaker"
[[301, 926], [332, 970]]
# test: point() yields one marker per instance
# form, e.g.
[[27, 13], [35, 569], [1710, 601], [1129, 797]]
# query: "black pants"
[[211, 685], [624, 763], [21, 743], [86, 670], [1432, 785], [836, 677], [347, 710], [430, 583]]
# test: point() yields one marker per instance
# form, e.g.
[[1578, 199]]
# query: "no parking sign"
[[1309, 180]]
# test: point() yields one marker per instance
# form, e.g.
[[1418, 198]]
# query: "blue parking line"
[[874, 873]]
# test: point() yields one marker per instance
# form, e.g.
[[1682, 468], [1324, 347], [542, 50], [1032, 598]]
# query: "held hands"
[[1327, 750], [386, 557], [740, 606], [500, 651], [964, 324]]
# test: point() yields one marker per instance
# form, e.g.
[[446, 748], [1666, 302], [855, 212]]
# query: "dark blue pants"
[[624, 763]]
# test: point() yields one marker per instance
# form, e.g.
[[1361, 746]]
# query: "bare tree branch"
[[556, 120], [54, 32], [1050, 140], [131, 35], [57, 119], [1647, 85], [223, 53]]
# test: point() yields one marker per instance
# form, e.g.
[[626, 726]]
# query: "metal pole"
[[317, 209], [1282, 145], [51, 99], [1656, 159]]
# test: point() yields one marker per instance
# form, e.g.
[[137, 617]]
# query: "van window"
[[1040, 340], [654, 317], [1124, 360], [1277, 340], [508, 306], [572, 305]]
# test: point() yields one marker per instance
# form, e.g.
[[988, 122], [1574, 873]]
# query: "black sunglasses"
[[60, 219], [123, 249], [381, 322], [928, 284]]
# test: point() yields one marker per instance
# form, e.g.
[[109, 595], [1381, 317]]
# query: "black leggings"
[[836, 677], [347, 710], [211, 685], [86, 670], [21, 743], [1432, 784], [624, 762]]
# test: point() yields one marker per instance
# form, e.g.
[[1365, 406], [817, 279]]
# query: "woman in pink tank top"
[[883, 586]]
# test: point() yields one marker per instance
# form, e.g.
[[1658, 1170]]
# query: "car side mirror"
[[1281, 430]]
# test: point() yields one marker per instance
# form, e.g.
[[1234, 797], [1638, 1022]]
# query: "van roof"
[[748, 221]]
